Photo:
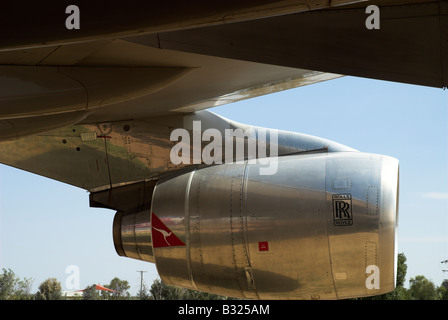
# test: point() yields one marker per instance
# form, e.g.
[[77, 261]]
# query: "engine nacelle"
[[322, 227]]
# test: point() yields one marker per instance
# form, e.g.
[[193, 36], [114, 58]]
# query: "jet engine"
[[322, 226]]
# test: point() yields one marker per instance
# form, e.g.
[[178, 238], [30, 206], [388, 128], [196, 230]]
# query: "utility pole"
[[445, 281], [141, 281]]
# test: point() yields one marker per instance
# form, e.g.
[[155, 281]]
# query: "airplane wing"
[[128, 62], [109, 80], [409, 45], [92, 93]]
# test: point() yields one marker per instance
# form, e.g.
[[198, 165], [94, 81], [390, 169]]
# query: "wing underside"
[[69, 91], [204, 62]]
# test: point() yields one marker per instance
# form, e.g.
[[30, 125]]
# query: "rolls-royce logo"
[[342, 209]]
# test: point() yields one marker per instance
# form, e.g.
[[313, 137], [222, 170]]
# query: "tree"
[[162, 291], [400, 291], [12, 288], [442, 291], [23, 289], [402, 269], [50, 289], [144, 293], [91, 293], [421, 289], [7, 280], [122, 286], [189, 294]]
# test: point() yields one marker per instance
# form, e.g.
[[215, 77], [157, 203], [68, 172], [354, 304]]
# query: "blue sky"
[[46, 226]]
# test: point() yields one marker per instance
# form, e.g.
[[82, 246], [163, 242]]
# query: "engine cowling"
[[321, 227]]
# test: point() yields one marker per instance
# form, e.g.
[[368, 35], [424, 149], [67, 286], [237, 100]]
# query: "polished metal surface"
[[314, 230], [135, 236], [106, 155]]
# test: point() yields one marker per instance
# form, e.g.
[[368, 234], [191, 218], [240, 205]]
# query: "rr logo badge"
[[342, 210]]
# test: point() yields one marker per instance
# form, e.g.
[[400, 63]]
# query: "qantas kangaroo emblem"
[[162, 236], [164, 233]]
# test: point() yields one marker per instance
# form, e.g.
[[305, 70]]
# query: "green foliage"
[[91, 293], [162, 291], [118, 285], [402, 269], [12, 288], [442, 291], [122, 286], [143, 294], [50, 289], [421, 289]]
